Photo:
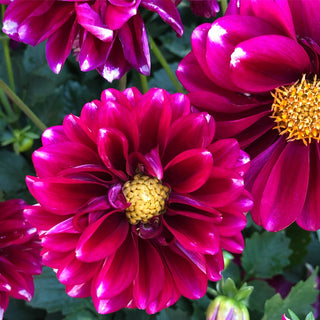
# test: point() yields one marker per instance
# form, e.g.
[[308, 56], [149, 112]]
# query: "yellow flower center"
[[147, 197], [296, 110]]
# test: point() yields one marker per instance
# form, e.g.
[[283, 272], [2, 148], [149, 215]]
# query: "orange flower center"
[[147, 197], [296, 110]]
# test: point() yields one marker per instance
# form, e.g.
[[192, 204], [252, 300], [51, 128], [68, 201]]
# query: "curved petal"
[[267, 62], [309, 218], [150, 278], [113, 150], [195, 130], [222, 187], [53, 135], [189, 170], [102, 238], [118, 271], [281, 187], [194, 234], [215, 265], [168, 12]]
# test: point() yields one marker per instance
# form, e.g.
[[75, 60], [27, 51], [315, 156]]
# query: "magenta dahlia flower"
[[107, 35], [19, 254], [136, 202], [256, 70]]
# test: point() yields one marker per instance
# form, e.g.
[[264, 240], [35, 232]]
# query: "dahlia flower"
[[107, 35], [136, 202], [256, 70], [19, 254]]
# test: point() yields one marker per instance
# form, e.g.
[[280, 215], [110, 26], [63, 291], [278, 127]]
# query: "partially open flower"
[[19, 254], [136, 202]]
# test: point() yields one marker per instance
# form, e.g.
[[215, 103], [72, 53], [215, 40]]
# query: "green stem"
[[224, 6], [7, 106], [144, 83], [165, 65], [123, 82], [23, 107], [6, 51]]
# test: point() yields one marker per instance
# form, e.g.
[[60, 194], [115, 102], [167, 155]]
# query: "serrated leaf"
[[299, 300], [50, 294], [266, 254]]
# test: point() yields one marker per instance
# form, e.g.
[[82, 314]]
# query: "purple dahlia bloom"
[[256, 71], [136, 202], [107, 35], [19, 254]]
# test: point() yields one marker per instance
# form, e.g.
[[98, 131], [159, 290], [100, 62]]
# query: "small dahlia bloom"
[[136, 202], [19, 254], [256, 70]]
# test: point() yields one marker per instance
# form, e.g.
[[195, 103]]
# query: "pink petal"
[[150, 278], [189, 170], [309, 218], [118, 270], [281, 187], [194, 234], [102, 238], [53, 134], [215, 265], [264, 63]]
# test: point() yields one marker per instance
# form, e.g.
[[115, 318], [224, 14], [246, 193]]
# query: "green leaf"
[[13, 169], [299, 240], [18, 309], [50, 294], [266, 254], [299, 300], [261, 292], [171, 314], [82, 315]]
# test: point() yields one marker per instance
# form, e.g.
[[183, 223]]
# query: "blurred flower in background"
[[109, 36], [256, 70], [136, 202], [19, 254]]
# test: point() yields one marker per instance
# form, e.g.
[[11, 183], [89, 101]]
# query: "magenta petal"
[[194, 234], [53, 134], [150, 278], [264, 63], [118, 270], [199, 127], [215, 265], [51, 159], [223, 187], [113, 304], [102, 238], [284, 188], [189, 279], [113, 150], [168, 12], [74, 271], [233, 244], [310, 218], [189, 170], [82, 290], [61, 195], [117, 15], [91, 21], [134, 41]]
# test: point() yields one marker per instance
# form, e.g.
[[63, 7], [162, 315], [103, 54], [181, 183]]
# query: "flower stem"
[[165, 65], [144, 83], [22, 106], [123, 82], [224, 6], [6, 105]]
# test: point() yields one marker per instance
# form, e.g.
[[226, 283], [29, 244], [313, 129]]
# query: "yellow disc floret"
[[296, 110], [147, 197]]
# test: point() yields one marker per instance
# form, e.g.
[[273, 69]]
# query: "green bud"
[[225, 308]]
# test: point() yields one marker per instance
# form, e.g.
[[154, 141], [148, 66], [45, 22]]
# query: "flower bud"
[[225, 308]]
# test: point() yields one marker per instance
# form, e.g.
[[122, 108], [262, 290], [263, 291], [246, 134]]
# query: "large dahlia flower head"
[[136, 201], [107, 35], [256, 71], [19, 254]]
